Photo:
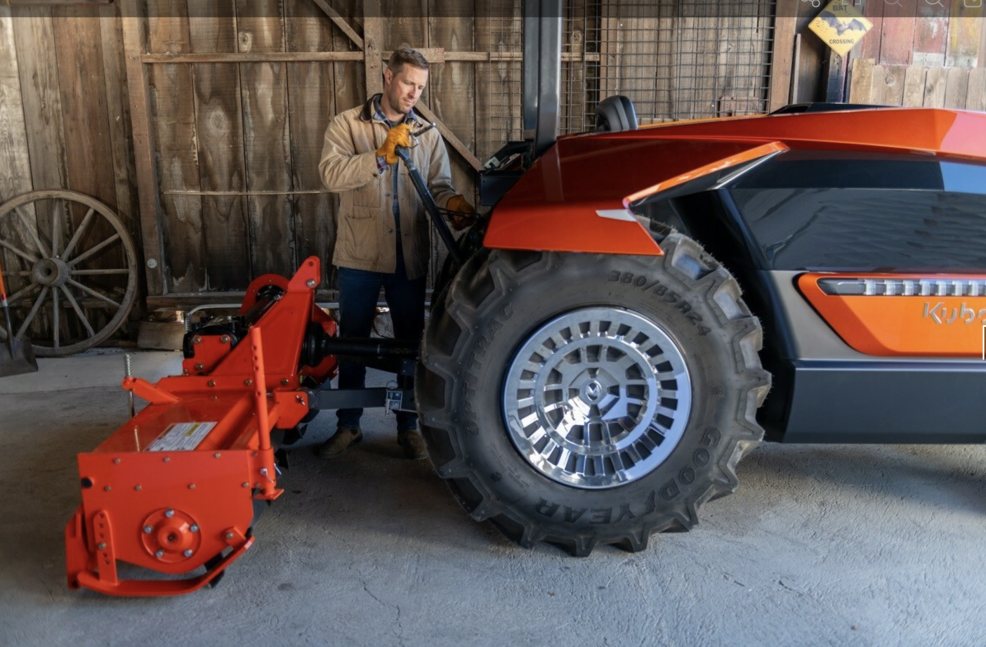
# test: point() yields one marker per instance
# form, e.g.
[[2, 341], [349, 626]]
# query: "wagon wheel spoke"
[[27, 257], [116, 272], [55, 319], [101, 246], [90, 269], [32, 231], [67, 254], [78, 311], [32, 314], [16, 296], [93, 293]]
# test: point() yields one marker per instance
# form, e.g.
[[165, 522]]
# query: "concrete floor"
[[822, 545]]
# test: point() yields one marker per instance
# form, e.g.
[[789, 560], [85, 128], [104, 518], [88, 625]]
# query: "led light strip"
[[904, 287]]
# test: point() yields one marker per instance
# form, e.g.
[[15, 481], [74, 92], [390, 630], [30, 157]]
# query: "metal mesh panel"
[[675, 59]]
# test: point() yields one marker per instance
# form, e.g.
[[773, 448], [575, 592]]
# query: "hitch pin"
[[263, 472], [128, 372]]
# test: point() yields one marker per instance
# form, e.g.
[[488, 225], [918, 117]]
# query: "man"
[[381, 227]]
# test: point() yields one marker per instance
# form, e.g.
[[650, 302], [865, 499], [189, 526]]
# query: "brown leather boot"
[[339, 443], [413, 444]]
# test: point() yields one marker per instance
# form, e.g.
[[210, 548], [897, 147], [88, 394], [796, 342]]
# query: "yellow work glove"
[[399, 135], [466, 212]]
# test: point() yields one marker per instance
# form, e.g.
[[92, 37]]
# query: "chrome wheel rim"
[[597, 397]]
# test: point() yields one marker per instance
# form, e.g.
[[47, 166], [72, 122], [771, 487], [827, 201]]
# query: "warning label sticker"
[[181, 436]]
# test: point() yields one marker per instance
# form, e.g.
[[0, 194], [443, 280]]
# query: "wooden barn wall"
[[64, 112], [921, 55], [200, 122]]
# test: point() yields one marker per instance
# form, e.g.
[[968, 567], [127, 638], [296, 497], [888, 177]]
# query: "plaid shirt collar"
[[410, 118]]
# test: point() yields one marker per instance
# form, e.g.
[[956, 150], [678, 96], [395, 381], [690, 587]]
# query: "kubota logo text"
[[941, 314]]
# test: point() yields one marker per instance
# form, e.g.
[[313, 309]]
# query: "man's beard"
[[397, 105]]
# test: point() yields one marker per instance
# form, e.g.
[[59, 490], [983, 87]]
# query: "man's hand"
[[399, 135], [466, 213]]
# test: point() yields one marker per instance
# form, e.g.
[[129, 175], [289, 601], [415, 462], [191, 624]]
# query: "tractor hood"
[[576, 196]]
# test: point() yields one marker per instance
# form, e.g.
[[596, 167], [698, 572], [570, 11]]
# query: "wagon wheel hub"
[[51, 272]]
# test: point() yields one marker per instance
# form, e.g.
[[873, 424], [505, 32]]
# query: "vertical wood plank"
[[218, 127], [934, 87], [956, 87], [42, 109], [82, 82], [976, 99], [311, 101], [134, 23], [14, 152], [870, 47], [85, 115], [265, 138], [34, 34], [782, 59], [897, 42], [173, 119], [964, 35], [861, 85], [119, 114], [914, 82], [888, 82], [931, 33], [373, 43]]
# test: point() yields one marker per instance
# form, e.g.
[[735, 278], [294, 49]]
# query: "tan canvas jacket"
[[365, 232]]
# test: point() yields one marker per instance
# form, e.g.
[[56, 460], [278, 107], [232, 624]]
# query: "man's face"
[[403, 89]]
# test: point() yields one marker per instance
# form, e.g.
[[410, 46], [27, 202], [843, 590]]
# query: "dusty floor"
[[839, 545]]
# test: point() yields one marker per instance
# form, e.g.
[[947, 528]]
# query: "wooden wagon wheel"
[[71, 270]]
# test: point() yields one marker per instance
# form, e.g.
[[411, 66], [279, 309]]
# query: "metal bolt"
[[248, 382], [196, 339], [137, 488], [285, 381], [210, 383], [246, 485], [116, 461], [200, 366], [191, 486], [216, 455], [107, 488], [188, 552], [224, 339], [229, 535], [101, 545], [159, 554], [194, 527], [311, 283], [167, 459], [169, 513], [148, 529]]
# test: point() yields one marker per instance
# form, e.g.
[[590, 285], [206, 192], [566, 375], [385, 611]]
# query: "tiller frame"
[[177, 487]]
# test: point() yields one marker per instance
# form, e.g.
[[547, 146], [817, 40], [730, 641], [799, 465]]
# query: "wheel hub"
[[51, 272], [597, 397]]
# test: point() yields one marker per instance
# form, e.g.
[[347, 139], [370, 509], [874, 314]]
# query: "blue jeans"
[[358, 294]]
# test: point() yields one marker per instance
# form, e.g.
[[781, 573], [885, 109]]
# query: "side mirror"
[[615, 114]]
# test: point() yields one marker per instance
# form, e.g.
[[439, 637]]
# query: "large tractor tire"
[[586, 399]]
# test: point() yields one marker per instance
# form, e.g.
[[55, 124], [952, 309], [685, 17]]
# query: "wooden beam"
[[340, 22], [785, 24], [57, 3], [373, 34], [135, 45], [251, 57], [450, 137], [433, 54]]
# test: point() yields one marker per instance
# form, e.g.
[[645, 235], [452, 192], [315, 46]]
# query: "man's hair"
[[404, 54]]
